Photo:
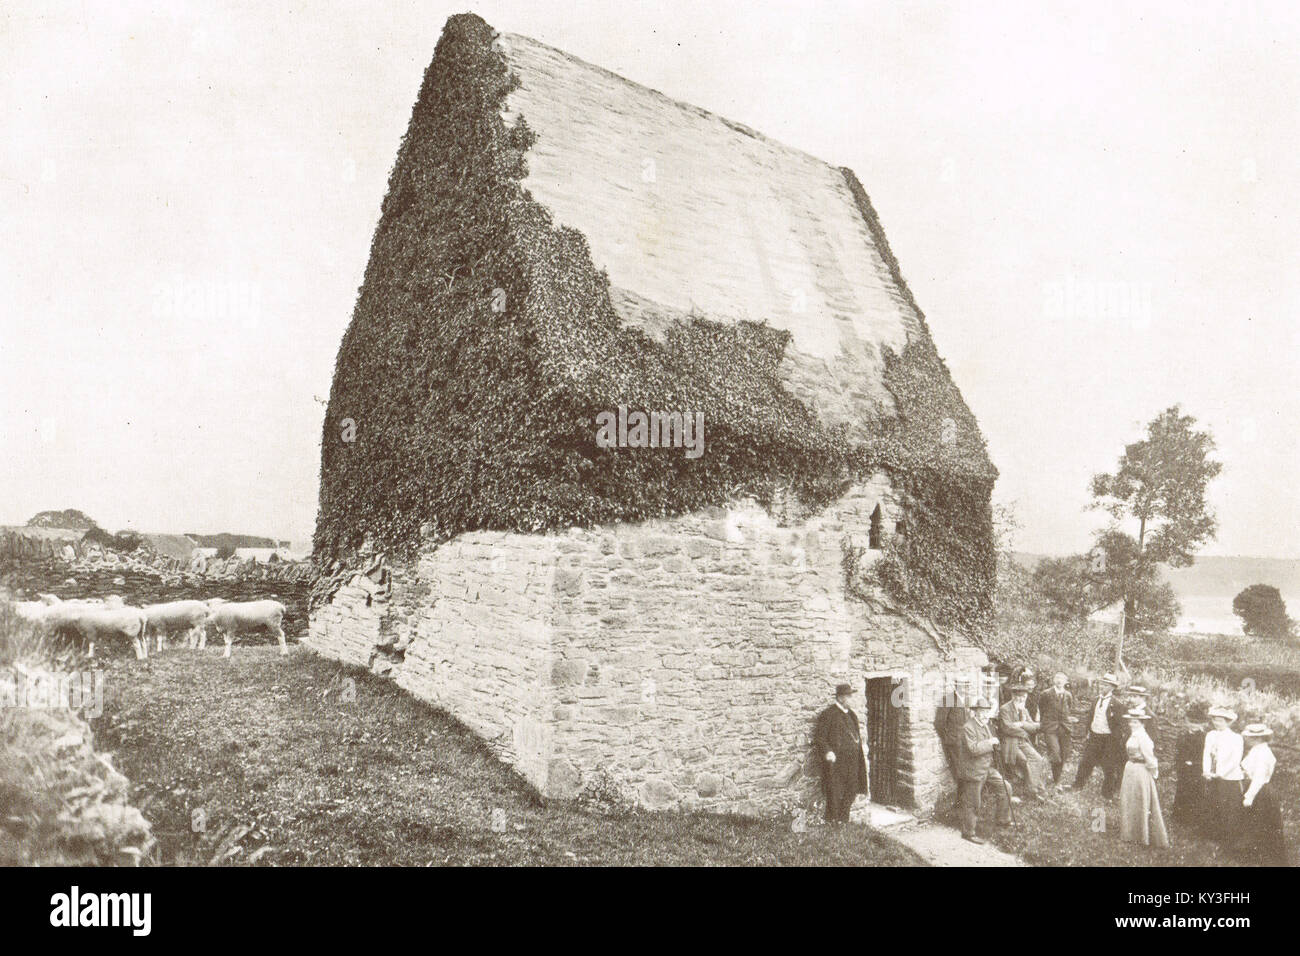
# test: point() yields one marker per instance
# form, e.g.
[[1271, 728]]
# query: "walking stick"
[[1006, 782]]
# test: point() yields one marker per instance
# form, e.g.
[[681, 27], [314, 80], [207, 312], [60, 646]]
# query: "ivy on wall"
[[484, 343]]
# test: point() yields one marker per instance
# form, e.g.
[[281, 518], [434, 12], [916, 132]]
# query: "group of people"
[[1225, 785], [1223, 776]]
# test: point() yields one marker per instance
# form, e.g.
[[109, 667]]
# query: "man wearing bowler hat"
[[837, 746]]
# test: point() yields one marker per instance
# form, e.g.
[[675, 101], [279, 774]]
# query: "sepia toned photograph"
[[620, 435]]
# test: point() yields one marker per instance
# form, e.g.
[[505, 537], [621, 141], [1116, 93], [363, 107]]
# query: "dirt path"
[[942, 846], [935, 843]]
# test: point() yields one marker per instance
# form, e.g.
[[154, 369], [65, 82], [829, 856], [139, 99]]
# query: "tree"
[[1263, 612], [1117, 572], [1065, 586], [1160, 487], [69, 518]]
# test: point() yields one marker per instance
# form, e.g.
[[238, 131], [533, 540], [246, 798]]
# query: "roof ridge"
[[680, 104]]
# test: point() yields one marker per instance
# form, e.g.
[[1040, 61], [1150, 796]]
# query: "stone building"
[[681, 651]]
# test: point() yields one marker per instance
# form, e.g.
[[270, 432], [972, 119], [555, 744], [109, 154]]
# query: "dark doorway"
[[882, 738]]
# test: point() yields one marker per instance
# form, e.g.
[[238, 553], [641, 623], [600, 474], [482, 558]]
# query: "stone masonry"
[[687, 657]]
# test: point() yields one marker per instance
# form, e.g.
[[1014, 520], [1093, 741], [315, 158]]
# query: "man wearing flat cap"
[[837, 746], [975, 768]]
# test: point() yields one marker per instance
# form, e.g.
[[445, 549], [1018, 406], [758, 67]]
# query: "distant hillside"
[[1229, 575], [227, 540], [1207, 588]]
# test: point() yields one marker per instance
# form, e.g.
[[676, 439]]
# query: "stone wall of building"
[[687, 657]]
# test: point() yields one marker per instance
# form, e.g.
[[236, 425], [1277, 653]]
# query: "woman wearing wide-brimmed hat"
[[1139, 804], [1221, 768], [1262, 840]]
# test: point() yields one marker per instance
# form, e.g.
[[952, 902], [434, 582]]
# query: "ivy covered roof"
[[557, 241]]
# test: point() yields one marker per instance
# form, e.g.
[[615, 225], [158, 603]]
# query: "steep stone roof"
[[692, 214], [556, 242]]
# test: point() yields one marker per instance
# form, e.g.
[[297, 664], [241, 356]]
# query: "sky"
[[1097, 205]]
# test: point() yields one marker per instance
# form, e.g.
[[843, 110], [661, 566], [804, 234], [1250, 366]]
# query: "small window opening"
[[873, 535]]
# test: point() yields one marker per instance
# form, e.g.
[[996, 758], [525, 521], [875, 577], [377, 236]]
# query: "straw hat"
[[1109, 678], [1256, 730], [1137, 713], [1219, 711], [1137, 690]]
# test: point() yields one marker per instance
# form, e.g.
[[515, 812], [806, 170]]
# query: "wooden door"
[[882, 738]]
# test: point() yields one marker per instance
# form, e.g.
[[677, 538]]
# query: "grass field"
[[298, 761]]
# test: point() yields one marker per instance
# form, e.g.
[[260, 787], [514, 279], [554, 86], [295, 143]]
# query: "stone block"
[[657, 794]]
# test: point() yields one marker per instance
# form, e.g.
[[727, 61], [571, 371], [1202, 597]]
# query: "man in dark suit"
[[1032, 695], [1107, 734], [837, 745], [1056, 715], [950, 720]]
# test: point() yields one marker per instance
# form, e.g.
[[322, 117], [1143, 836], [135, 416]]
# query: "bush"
[[1049, 645], [602, 792], [63, 804], [70, 518], [100, 537], [128, 541], [1263, 612], [20, 641]]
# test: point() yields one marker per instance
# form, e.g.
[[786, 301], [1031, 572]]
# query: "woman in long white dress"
[[1139, 805], [1221, 768], [1261, 837]]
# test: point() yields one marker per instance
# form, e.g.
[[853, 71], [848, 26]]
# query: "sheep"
[[176, 616], [230, 618]]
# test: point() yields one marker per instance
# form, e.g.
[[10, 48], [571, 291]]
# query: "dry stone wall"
[[686, 657]]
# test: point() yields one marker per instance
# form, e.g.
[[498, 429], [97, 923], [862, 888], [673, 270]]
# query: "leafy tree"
[[1263, 612], [1159, 487], [1117, 572], [1066, 587], [69, 518]]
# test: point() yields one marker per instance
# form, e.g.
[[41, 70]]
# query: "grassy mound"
[[300, 761], [63, 802]]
